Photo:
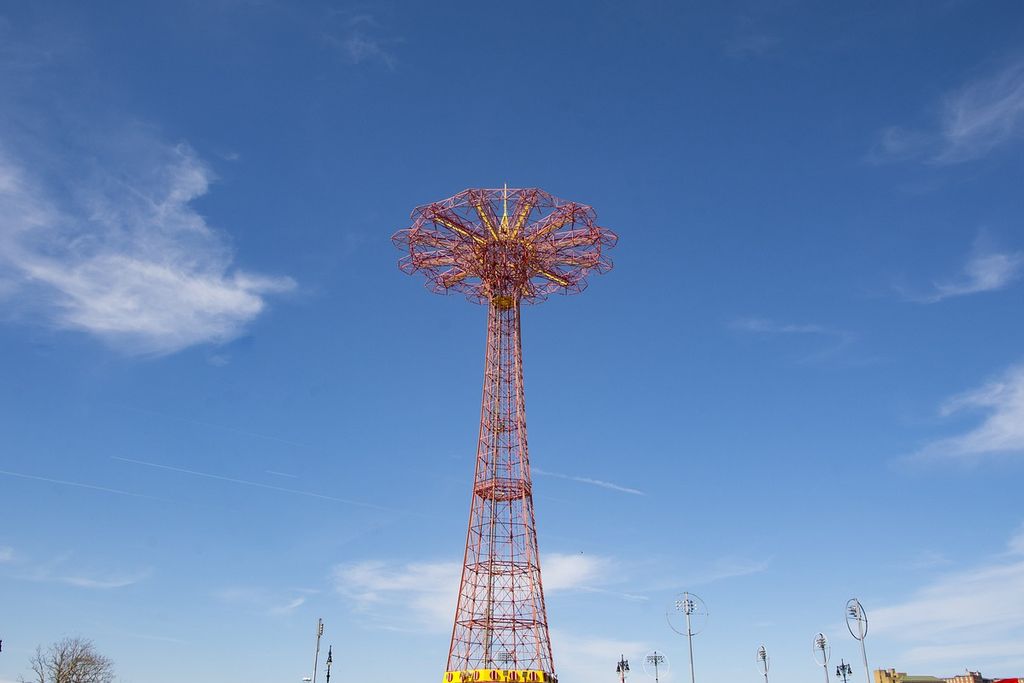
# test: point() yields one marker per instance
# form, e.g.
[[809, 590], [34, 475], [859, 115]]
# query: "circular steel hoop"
[[821, 649], [664, 666], [763, 660], [855, 614], [687, 604]]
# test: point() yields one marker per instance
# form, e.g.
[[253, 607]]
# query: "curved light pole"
[[763, 661], [694, 617], [822, 650], [857, 622]]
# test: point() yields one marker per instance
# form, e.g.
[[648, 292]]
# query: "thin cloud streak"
[[266, 602], [102, 584], [246, 482], [764, 326], [726, 568], [76, 484], [215, 425], [772, 328], [587, 480], [53, 572]]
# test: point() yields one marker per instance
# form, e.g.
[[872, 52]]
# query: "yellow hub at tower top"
[[499, 676]]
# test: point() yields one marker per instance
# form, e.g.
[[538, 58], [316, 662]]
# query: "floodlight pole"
[[655, 659], [762, 658], [316, 655], [855, 614], [689, 637], [821, 645]]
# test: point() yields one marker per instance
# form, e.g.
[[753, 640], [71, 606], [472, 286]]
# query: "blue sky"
[[225, 412]]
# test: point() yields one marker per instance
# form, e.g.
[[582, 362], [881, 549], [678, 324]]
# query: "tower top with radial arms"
[[505, 245]]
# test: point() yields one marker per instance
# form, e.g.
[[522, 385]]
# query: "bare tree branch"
[[72, 660]]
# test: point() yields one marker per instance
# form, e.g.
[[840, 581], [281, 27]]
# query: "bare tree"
[[72, 660]]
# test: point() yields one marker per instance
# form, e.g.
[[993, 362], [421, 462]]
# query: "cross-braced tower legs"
[[500, 618]]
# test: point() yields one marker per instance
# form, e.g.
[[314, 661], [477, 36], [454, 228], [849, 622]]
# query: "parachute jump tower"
[[503, 247]]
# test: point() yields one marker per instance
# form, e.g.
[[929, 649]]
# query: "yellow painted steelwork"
[[486, 219], [551, 227], [502, 302], [453, 276], [499, 676], [458, 229], [504, 210], [523, 215], [554, 278]]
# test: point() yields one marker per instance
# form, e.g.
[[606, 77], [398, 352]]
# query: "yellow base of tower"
[[499, 676]]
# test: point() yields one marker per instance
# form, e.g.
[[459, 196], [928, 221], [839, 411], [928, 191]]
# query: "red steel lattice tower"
[[503, 247]]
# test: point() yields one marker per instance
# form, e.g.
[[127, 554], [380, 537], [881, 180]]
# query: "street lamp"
[[843, 670], [857, 622], [763, 661], [687, 616], [822, 650], [622, 667]]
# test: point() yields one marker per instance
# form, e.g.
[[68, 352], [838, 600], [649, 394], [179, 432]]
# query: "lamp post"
[[622, 667], [843, 670], [330, 660], [694, 617], [857, 623], [763, 661], [654, 662], [822, 650]]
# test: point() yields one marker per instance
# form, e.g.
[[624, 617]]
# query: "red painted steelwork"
[[503, 247]]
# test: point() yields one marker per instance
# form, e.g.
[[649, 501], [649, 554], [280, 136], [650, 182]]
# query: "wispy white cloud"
[[123, 254], [975, 120], [272, 603], [585, 657], [64, 569], [724, 568], [764, 326], [360, 38], [983, 116], [1001, 431], [587, 480], [103, 582], [987, 270], [564, 571], [835, 340], [6, 554], [975, 615], [1016, 544], [751, 38], [422, 595]]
